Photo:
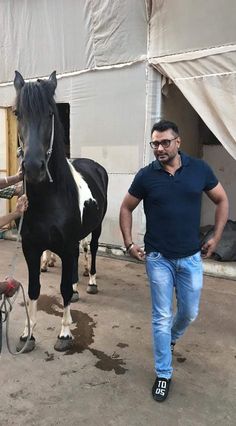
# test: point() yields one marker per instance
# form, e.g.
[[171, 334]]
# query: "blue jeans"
[[186, 276]]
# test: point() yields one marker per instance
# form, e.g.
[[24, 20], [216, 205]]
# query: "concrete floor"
[[106, 379]]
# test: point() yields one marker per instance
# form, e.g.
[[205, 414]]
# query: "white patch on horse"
[[92, 279], [83, 189], [66, 322], [32, 309]]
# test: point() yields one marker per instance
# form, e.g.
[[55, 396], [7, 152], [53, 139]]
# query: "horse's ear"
[[53, 81], [18, 81]]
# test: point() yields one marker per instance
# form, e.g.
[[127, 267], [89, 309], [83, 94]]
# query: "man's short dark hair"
[[164, 125]]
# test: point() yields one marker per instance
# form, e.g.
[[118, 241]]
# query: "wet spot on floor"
[[115, 326], [107, 363], [122, 345], [18, 394], [138, 328], [83, 333], [50, 305], [51, 328], [50, 357], [181, 359], [67, 373], [132, 326]]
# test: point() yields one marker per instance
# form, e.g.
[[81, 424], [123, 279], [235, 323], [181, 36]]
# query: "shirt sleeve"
[[7, 192], [137, 187], [210, 179]]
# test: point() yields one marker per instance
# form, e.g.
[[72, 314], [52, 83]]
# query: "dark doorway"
[[64, 115]]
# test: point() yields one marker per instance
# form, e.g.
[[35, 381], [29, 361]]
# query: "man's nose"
[[159, 147]]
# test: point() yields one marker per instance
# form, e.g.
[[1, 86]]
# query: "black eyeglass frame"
[[166, 142]]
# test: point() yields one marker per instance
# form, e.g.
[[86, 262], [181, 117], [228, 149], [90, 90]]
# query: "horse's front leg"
[[65, 338], [33, 262]]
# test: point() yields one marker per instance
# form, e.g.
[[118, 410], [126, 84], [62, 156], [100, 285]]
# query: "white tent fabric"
[[201, 60], [182, 26], [209, 84], [40, 36]]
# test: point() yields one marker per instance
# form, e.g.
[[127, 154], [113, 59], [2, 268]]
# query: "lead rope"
[[7, 304], [49, 151]]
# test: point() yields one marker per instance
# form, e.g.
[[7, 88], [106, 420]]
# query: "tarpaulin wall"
[[194, 44], [105, 52]]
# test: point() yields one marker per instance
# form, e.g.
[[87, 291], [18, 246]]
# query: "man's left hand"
[[209, 248]]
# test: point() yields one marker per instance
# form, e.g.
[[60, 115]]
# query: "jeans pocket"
[[153, 255], [195, 258]]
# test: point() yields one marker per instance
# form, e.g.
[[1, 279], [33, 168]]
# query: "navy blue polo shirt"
[[172, 205]]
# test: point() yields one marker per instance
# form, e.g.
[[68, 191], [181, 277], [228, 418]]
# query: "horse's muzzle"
[[34, 171]]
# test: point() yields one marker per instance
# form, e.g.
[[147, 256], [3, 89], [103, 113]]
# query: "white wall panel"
[[3, 154]]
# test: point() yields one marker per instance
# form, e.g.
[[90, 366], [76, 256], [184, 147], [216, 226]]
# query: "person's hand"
[[20, 173], [137, 252], [18, 189], [209, 248], [9, 286], [22, 204]]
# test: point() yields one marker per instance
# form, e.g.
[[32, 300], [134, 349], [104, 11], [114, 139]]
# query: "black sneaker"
[[160, 389], [172, 346]]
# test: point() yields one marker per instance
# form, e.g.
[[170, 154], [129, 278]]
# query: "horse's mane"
[[33, 102]]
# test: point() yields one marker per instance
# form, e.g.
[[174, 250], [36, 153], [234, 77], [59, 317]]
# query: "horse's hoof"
[[75, 297], [29, 346], [92, 289], [44, 269], [63, 344]]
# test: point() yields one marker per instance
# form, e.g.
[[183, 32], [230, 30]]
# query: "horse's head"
[[35, 109]]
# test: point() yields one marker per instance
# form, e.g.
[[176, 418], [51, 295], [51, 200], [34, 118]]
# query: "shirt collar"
[[184, 161]]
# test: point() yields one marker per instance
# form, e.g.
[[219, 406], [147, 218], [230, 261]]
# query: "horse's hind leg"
[[65, 338], [75, 276], [84, 244], [48, 259], [92, 285], [52, 260], [44, 261]]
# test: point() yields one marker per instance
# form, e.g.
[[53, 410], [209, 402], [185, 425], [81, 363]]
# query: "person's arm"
[[220, 199], [21, 206], [8, 192], [128, 205], [11, 180]]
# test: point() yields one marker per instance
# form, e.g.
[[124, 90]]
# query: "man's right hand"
[[137, 252]]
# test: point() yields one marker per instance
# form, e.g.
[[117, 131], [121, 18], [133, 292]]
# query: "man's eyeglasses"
[[165, 143]]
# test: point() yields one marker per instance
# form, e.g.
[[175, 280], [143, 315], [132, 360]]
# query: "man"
[[171, 188], [10, 286]]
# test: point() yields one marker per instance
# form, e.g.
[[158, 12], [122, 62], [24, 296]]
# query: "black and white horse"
[[67, 201]]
